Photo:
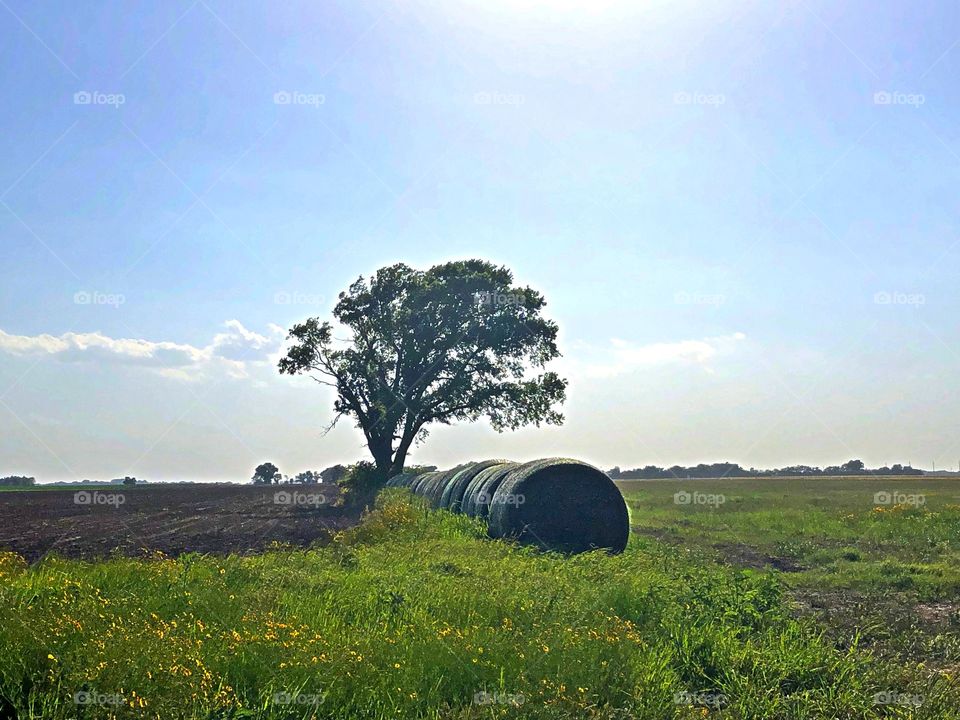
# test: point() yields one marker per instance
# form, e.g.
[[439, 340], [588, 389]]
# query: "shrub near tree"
[[456, 342], [334, 474]]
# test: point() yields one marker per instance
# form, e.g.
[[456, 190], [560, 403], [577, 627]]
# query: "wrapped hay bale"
[[559, 504], [453, 494], [401, 480], [434, 491], [420, 480], [476, 501]]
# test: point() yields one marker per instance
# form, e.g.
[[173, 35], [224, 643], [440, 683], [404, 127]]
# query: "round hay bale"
[[392, 482], [468, 505], [426, 489], [456, 487], [420, 480], [401, 480], [560, 504], [434, 491], [476, 503]]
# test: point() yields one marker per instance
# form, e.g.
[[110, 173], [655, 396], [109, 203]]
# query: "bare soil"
[[174, 519]]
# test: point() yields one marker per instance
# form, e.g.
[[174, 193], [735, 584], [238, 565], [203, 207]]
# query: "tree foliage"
[[266, 474], [17, 481], [457, 342], [334, 474]]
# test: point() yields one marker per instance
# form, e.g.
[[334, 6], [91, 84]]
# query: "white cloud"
[[242, 344], [229, 351], [622, 357]]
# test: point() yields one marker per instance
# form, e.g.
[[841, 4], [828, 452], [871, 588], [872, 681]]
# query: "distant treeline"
[[24, 481], [17, 481], [726, 469]]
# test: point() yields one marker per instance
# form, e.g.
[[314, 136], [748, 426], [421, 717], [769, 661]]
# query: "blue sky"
[[743, 217]]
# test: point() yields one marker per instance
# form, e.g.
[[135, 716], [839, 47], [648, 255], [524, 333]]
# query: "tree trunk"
[[411, 428], [396, 467], [382, 451]]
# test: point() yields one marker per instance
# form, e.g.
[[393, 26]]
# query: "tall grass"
[[414, 614]]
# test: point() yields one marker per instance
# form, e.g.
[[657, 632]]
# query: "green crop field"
[[875, 559], [752, 598]]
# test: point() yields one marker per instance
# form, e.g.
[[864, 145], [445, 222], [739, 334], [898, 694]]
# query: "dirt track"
[[174, 519]]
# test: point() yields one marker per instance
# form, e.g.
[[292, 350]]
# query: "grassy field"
[[745, 608], [877, 558]]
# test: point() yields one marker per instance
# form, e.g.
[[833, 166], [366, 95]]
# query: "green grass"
[[886, 574], [830, 527], [412, 614]]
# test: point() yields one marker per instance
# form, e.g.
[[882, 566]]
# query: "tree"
[[266, 473], [852, 467], [333, 474], [17, 481], [455, 342], [307, 477]]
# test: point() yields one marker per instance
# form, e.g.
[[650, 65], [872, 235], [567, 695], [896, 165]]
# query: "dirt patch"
[[174, 519], [746, 556], [944, 612], [663, 535]]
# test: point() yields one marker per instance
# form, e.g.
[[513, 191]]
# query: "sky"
[[743, 217]]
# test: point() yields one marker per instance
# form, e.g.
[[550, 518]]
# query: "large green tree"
[[456, 342]]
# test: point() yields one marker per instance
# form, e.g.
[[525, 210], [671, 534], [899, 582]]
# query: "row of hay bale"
[[557, 504]]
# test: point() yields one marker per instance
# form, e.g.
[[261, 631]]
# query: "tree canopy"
[[456, 342], [266, 474]]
